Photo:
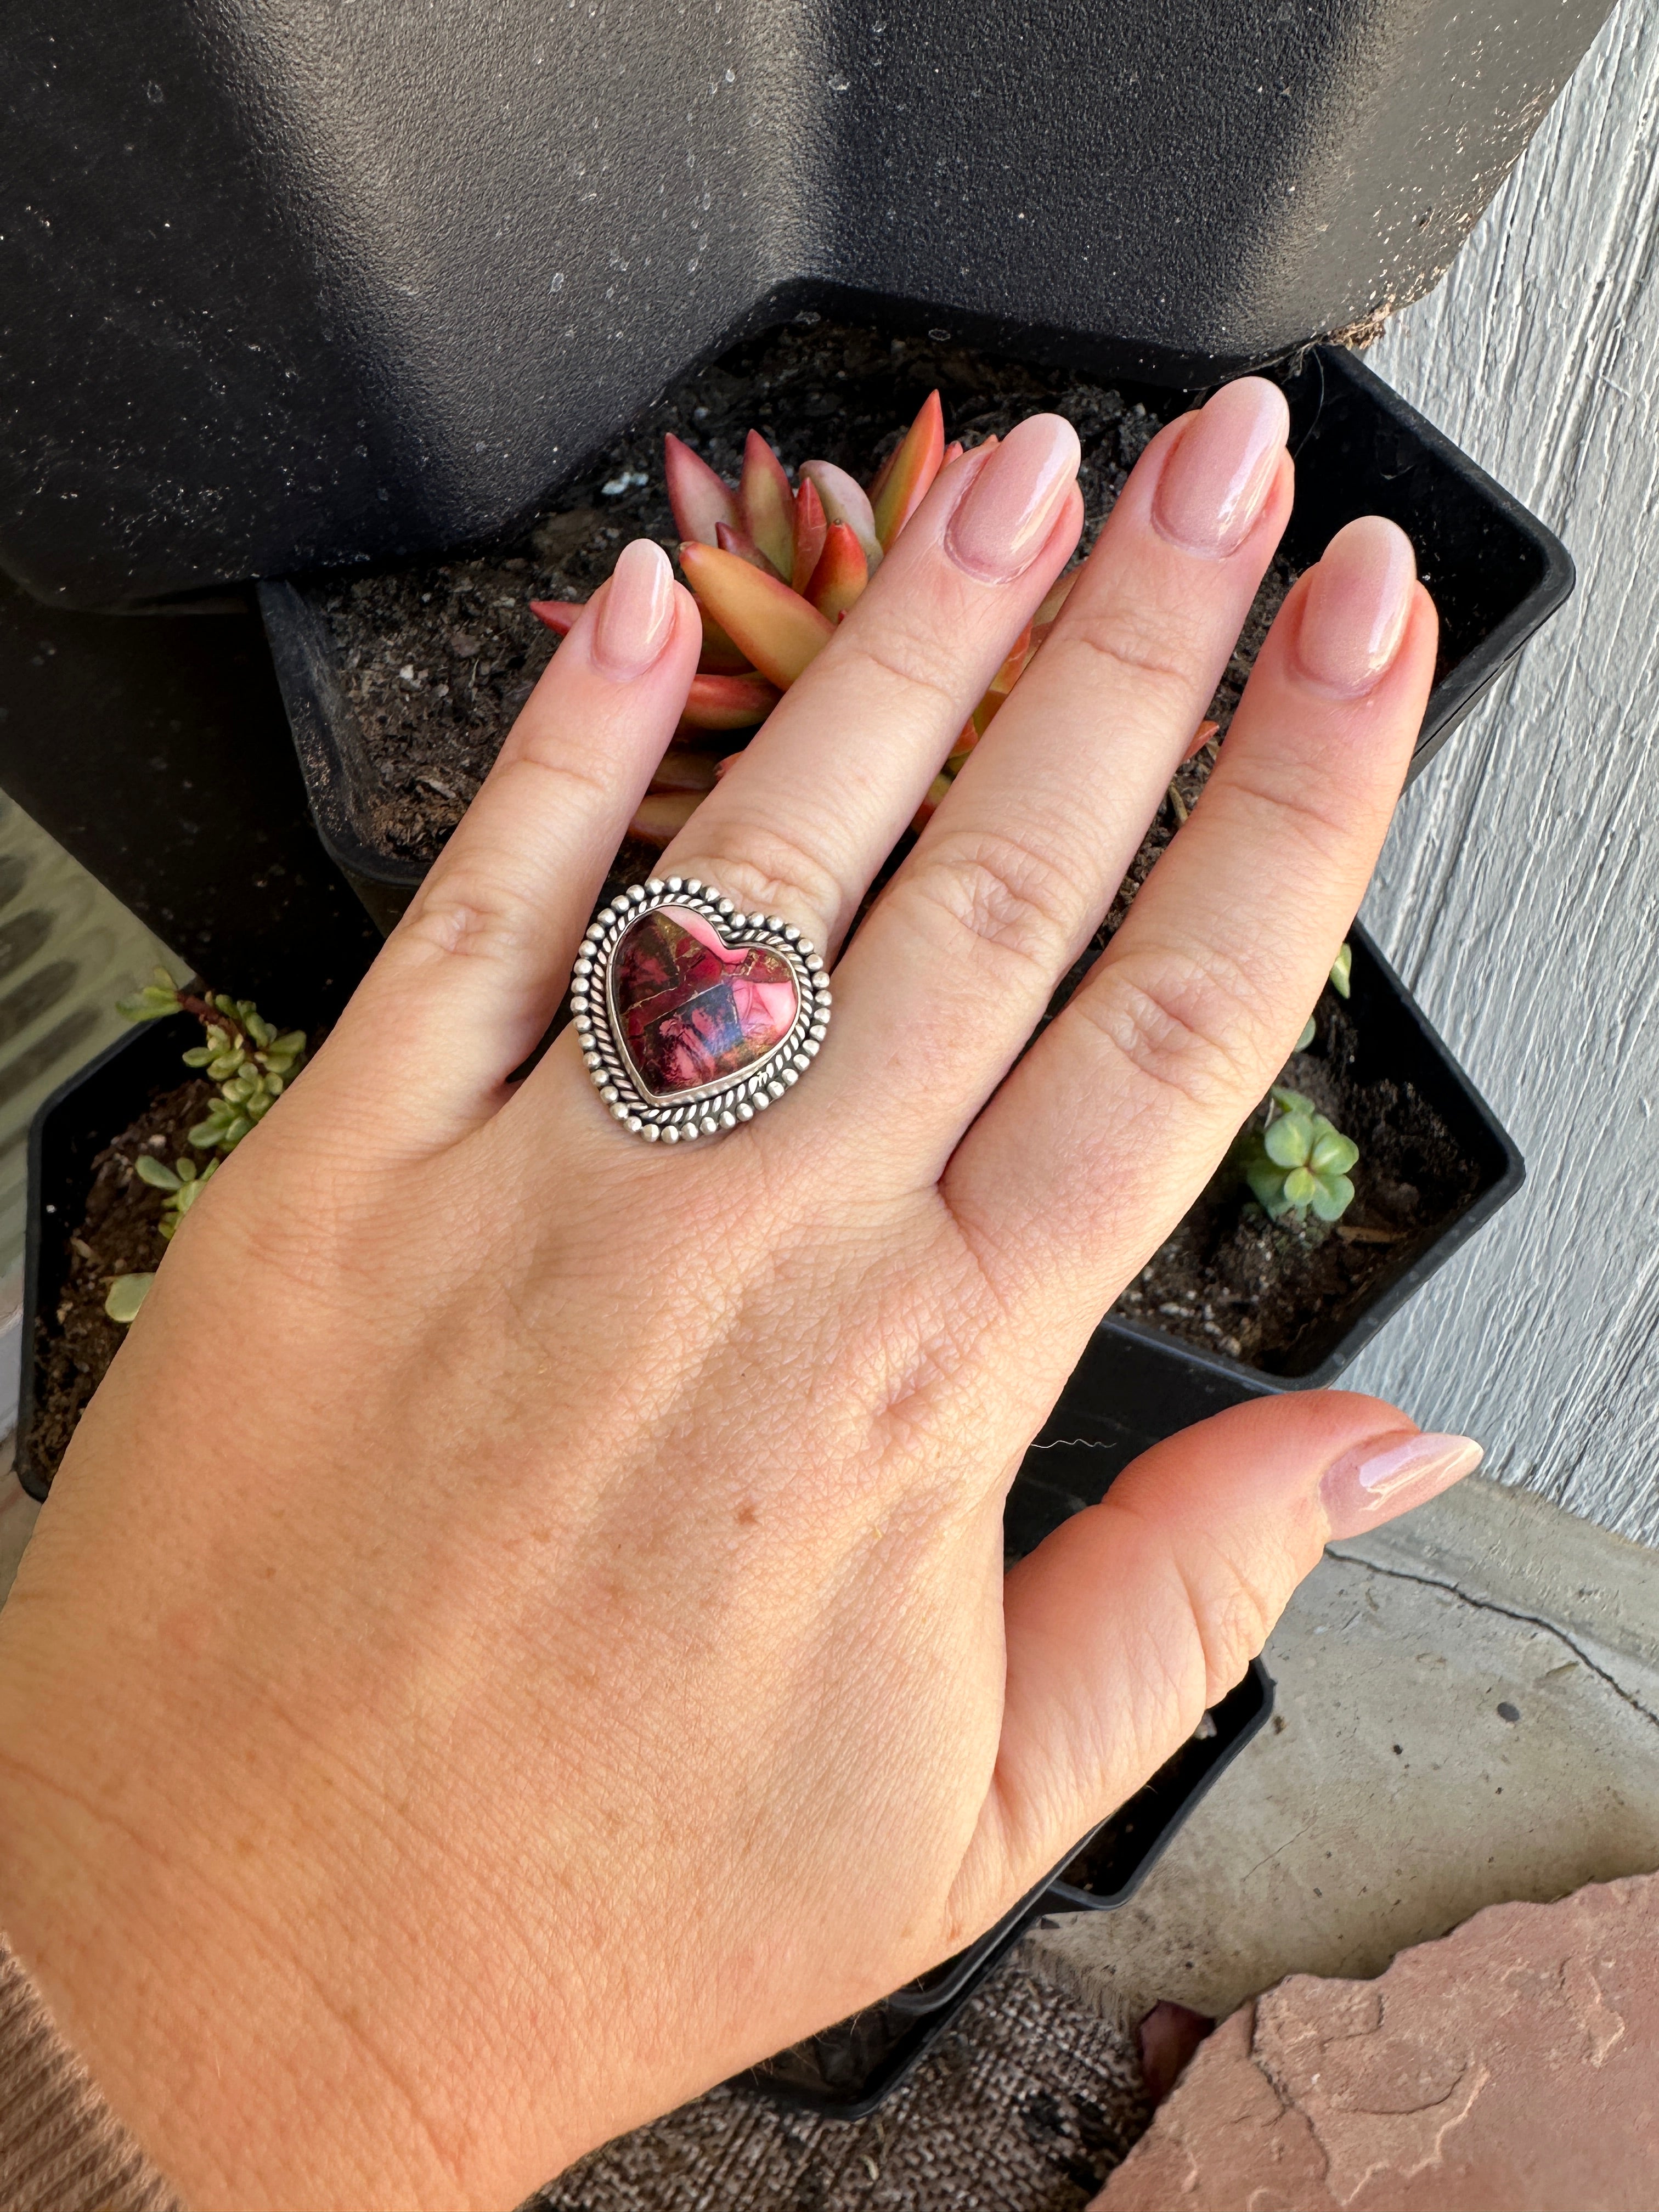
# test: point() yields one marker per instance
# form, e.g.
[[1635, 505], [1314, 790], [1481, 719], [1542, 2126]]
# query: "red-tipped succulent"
[[774, 569]]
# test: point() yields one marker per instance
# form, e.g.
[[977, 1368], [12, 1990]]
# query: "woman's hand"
[[520, 1634]]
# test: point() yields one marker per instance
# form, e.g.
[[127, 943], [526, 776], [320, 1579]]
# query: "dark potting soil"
[[1231, 1281], [436, 660], [119, 1235]]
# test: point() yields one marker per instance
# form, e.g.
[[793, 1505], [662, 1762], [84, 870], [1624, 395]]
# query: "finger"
[[1138, 1615], [1110, 1127], [1013, 873], [471, 977], [803, 819]]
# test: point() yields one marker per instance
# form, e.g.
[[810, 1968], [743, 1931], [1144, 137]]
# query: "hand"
[[520, 1634]]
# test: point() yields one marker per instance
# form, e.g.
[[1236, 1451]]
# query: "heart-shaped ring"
[[692, 1015]]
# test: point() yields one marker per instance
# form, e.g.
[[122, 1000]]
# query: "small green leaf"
[[1307, 1036], [188, 1170], [150, 1003], [126, 1294], [235, 1134], [1300, 1186], [1342, 969], [1289, 1140], [1291, 1102], [292, 1042], [206, 1134], [1333, 1153], [1267, 1185], [156, 1172], [1332, 1198], [197, 1057]]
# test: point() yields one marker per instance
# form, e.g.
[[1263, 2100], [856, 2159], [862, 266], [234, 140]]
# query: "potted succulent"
[[401, 684], [118, 1155]]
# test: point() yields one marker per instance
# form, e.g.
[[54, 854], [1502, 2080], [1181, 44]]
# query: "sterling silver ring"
[[694, 1016]]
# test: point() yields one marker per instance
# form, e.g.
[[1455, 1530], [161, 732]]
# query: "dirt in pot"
[[436, 660], [119, 1235], [1231, 1281]]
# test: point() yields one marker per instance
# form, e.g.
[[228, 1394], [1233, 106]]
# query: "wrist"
[[166, 1963]]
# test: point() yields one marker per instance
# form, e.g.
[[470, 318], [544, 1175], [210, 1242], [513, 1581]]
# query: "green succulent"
[[250, 1062], [1342, 969], [243, 1055], [126, 1294], [1299, 1160], [184, 1183]]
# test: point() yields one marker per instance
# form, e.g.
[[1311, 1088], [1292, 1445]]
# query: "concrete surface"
[[1519, 894], [1467, 1712]]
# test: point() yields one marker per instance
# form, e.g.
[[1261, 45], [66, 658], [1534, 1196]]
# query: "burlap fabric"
[[1024, 2106]]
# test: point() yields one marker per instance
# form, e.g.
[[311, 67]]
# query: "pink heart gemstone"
[[693, 1009]]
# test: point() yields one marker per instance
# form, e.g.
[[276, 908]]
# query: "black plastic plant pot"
[[69, 1130], [1496, 572], [852, 2067], [1391, 1041]]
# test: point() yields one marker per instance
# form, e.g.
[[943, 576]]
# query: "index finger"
[[1111, 1125]]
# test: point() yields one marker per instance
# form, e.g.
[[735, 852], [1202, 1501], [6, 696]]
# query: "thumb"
[[1140, 1613]]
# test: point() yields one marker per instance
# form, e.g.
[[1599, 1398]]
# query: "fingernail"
[[632, 623], [1354, 614], [1215, 481], [1374, 1482], [1014, 501]]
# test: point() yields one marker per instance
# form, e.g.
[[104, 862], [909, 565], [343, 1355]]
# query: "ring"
[[692, 1015]]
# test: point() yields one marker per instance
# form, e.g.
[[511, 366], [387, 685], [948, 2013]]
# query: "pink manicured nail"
[[1354, 614], [1374, 1482], [1008, 510], [1215, 481], [638, 611]]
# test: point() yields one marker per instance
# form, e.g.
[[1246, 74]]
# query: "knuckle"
[[1291, 804], [1139, 648], [1232, 1617], [466, 912], [1010, 900], [768, 869], [1183, 1025], [910, 660]]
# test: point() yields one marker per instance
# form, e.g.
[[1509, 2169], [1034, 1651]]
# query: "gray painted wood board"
[[1519, 892]]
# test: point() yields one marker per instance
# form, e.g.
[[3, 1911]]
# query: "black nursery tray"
[[69, 1130], [1496, 572]]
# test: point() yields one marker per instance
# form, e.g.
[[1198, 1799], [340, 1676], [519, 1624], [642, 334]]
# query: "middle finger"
[[809, 809]]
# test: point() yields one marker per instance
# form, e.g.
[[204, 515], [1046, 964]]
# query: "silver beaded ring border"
[[716, 1107]]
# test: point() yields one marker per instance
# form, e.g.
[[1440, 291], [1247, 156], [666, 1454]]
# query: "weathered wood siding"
[[1519, 894]]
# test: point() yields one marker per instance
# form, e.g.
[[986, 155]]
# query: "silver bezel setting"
[[714, 1108]]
